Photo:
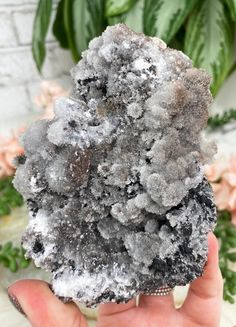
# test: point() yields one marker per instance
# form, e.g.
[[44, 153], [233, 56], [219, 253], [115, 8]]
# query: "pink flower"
[[222, 193], [233, 217], [9, 149], [215, 171], [50, 92], [222, 175]]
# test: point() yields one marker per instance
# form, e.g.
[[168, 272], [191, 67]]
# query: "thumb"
[[205, 293], [41, 307]]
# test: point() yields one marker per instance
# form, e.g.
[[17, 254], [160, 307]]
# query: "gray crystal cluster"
[[114, 182]]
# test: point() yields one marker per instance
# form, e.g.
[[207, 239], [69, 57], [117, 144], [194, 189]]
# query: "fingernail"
[[15, 303], [61, 298]]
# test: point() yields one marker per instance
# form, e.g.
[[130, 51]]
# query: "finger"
[[117, 315], [42, 307], [112, 308], [162, 302], [205, 293]]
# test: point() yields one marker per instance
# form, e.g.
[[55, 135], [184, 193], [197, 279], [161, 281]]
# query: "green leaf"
[[13, 258], [69, 27], [15, 201], [209, 40], [232, 256], [232, 290], [177, 42], [231, 231], [4, 209], [133, 18], [224, 216], [41, 24], [232, 8], [217, 120], [227, 273], [9, 197], [13, 264], [114, 7], [163, 18], [233, 276], [7, 246], [225, 246], [58, 28], [5, 261], [217, 232], [15, 252], [83, 19], [230, 299], [24, 263], [232, 241], [96, 21]]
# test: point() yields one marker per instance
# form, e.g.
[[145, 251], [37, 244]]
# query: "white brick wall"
[[21, 20], [7, 35], [14, 102], [25, 17], [17, 2], [19, 79]]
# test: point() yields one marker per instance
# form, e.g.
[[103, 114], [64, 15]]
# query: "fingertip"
[[206, 292], [213, 245], [26, 296], [213, 253], [22, 287], [166, 301], [27, 292], [41, 306], [112, 308]]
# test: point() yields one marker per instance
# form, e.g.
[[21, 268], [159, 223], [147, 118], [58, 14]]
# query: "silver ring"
[[161, 291]]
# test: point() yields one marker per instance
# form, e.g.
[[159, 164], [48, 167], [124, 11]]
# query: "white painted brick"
[[9, 3], [33, 91], [24, 20], [7, 126], [57, 63], [223, 101], [17, 2], [7, 35], [14, 102], [34, 88], [18, 67], [65, 81], [24, 25], [19, 78]]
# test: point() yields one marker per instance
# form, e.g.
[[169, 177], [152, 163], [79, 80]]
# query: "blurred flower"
[[50, 92], [9, 149], [215, 171], [222, 175]]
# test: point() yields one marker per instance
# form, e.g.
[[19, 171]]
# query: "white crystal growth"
[[114, 183]]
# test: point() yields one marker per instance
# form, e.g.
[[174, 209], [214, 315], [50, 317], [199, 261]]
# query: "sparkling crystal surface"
[[114, 182]]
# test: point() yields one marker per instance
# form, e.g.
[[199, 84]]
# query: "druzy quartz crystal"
[[114, 183]]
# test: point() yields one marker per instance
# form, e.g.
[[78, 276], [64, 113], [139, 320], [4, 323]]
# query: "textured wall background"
[[19, 79], [19, 83]]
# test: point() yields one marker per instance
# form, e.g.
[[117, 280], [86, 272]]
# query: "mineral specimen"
[[114, 182]]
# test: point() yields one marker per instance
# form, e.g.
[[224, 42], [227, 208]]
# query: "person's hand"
[[202, 306]]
